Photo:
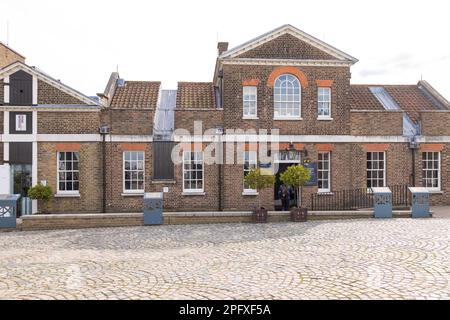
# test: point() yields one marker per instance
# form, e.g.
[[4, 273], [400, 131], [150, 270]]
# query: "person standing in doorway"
[[285, 197]]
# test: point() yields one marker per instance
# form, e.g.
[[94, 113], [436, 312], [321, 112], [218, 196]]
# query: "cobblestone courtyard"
[[360, 259]]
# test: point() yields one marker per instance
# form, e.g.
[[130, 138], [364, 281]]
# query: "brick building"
[[103, 154]]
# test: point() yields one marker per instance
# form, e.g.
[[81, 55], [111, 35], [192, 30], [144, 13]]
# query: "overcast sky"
[[81, 42]]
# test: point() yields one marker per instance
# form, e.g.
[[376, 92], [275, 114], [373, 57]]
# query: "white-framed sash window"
[[68, 173], [376, 169], [250, 162], [431, 170], [193, 171], [133, 171], [250, 101], [324, 103], [324, 172]]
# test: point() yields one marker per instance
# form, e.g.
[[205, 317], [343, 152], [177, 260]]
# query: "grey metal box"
[[382, 202], [153, 208], [420, 202]]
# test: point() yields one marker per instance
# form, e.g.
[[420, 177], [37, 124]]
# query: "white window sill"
[[164, 181], [325, 193], [250, 193], [250, 118], [324, 119], [133, 194], [67, 195], [435, 191], [193, 193], [287, 118]]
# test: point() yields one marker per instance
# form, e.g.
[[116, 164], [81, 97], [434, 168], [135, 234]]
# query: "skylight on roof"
[[385, 98], [388, 103]]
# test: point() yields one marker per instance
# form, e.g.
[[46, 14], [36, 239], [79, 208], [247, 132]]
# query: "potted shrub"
[[40, 192], [296, 176], [258, 181]]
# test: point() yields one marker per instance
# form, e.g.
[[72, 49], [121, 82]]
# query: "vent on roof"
[[409, 127]]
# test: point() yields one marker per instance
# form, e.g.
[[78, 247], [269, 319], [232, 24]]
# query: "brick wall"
[[48, 94], [234, 76], [286, 47], [129, 121], [435, 123], [184, 119], [114, 177], [2, 92], [174, 200], [68, 122], [90, 178], [376, 123], [1, 121]]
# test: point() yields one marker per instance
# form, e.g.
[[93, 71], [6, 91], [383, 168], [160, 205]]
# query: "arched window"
[[287, 97]]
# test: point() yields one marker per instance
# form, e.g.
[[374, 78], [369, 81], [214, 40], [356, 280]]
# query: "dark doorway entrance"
[[281, 168], [21, 176]]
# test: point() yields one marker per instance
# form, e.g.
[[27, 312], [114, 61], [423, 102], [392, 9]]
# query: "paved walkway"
[[441, 211], [357, 259]]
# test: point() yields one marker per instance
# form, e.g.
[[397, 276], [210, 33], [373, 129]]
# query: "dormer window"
[[287, 98]]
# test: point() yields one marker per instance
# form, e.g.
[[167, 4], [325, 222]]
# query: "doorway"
[[22, 181], [285, 159]]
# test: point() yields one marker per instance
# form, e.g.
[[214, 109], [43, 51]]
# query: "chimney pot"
[[222, 47]]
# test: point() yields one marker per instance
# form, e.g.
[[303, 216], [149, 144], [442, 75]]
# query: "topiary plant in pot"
[[296, 176], [257, 180], [42, 193]]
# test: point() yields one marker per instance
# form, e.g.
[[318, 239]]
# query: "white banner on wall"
[[5, 179]]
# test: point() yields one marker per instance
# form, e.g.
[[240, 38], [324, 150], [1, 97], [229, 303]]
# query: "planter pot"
[[259, 215], [299, 214]]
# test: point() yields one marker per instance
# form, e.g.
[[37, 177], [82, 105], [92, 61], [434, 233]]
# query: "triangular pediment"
[[287, 42]]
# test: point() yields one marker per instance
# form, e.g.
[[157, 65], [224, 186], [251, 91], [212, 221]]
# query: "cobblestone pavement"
[[357, 259]]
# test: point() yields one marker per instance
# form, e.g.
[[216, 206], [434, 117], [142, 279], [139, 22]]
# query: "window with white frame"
[[323, 172], [250, 162], [287, 97], [376, 169], [431, 170], [68, 172], [133, 171], [250, 101], [324, 102], [193, 171]]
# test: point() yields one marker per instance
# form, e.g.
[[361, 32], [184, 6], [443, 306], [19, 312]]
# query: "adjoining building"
[[103, 154]]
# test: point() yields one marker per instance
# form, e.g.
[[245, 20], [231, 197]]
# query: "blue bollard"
[[420, 202], [153, 208], [382, 202]]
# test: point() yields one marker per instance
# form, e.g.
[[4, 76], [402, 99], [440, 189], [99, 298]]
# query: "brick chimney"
[[222, 47], [8, 56]]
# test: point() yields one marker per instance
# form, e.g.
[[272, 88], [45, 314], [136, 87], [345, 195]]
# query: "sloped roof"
[[136, 95], [195, 95], [361, 98], [18, 65], [410, 99]]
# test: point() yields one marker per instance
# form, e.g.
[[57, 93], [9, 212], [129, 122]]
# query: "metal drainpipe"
[[104, 172], [413, 167]]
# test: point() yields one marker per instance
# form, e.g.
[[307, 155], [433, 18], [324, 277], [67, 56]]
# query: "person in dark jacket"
[[285, 196]]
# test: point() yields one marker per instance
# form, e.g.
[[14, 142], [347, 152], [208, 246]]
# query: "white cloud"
[[82, 41]]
